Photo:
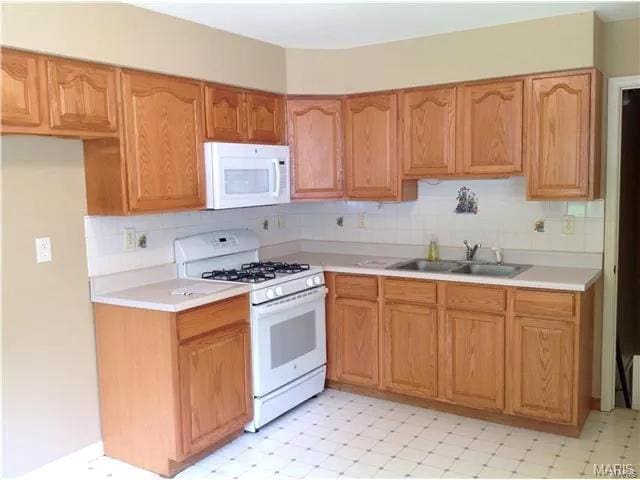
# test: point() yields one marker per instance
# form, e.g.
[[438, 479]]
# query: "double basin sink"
[[507, 270]]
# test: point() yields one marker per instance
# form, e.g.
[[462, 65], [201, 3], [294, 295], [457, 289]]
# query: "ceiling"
[[345, 25]]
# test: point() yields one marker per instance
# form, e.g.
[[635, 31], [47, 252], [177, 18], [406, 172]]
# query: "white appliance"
[[288, 336], [246, 175]]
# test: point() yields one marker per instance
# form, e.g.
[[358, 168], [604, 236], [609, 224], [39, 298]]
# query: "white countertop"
[[553, 278], [158, 296]]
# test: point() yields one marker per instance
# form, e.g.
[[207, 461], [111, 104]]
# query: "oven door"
[[288, 339]]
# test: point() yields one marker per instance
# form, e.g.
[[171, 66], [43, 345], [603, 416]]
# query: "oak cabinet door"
[[474, 356], [541, 369], [265, 117], [20, 89], [371, 146], [492, 117], [410, 349], [81, 96], [316, 147], [429, 131], [215, 387], [226, 114], [558, 133], [357, 326], [164, 142]]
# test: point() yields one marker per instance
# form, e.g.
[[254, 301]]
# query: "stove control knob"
[[270, 293], [317, 280], [309, 282], [279, 291]]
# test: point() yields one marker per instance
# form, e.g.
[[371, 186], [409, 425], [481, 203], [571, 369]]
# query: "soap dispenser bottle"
[[433, 253]]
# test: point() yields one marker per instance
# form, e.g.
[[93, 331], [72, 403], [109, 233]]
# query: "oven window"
[[293, 338], [241, 181]]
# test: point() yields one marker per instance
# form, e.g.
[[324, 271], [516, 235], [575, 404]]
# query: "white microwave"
[[246, 175]]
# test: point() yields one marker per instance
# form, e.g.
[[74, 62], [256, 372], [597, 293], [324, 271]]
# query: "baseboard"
[[58, 468]]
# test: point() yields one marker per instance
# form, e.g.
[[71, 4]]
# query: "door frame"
[[612, 210]]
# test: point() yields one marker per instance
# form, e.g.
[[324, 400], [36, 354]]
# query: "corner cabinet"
[[173, 386], [563, 117], [371, 141], [315, 138], [158, 163]]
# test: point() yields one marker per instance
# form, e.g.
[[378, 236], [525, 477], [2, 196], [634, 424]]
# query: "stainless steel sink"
[[461, 268], [490, 270], [421, 265]]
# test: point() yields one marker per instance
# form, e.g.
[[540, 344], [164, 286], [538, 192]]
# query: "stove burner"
[[276, 267], [246, 276]]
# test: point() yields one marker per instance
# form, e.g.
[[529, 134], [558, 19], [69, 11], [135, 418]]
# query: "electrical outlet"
[[362, 221], [43, 250], [129, 238], [281, 221], [568, 224]]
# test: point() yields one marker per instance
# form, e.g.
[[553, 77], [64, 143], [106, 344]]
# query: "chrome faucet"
[[499, 255], [471, 251]]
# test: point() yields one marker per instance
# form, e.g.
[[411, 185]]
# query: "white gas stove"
[[288, 338]]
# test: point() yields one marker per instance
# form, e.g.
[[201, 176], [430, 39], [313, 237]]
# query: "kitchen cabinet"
[[315, 137], [550, 347], [215, 387], [158, 164], [372, 166], [173, 386], [226, 113], [82, 96], [21, 91], [357, 326], [428, 129], [563, 113], [491, 135], [265, 122]]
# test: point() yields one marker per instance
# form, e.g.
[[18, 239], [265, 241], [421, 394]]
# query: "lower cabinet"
[[515, 355], [409, 356], [474, 358], [214, 386], [173, 386], [357, 340]]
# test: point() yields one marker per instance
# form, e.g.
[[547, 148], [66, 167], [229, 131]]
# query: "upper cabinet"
[[226, 114], [315, 137], [237, 115], [157, 164], [563, 135], [372, 167], [265, 122], [81, 96], [428, 129], [491, 135], [20, 90]]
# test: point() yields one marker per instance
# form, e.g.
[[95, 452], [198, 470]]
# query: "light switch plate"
[[43, 250], [129, 238], [362, 222]]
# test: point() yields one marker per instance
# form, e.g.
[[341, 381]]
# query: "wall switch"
[[568, 224], [43, 250], [362, 222], [129, 238]]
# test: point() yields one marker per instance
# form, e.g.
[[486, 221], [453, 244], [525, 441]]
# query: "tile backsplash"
[[504, 218]]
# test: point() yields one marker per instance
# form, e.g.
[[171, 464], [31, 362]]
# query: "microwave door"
[[247, 182]]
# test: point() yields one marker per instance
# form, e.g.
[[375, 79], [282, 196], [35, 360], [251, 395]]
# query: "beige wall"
[[540, 45], [130, 36], [620, 43], [49, 397]]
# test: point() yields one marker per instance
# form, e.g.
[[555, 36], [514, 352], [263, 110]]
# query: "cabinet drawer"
[[484, 299], [547, 304], [357, 286], [212, 317], [412, 291]]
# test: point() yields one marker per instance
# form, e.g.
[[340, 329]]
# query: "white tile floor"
[[344, 435]]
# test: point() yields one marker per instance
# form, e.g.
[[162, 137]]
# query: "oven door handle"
[[292, 301]]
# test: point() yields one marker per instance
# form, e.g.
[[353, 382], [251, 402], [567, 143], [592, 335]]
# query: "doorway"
[[621, 321]]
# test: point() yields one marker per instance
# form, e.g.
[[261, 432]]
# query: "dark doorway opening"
[[628, 322]]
